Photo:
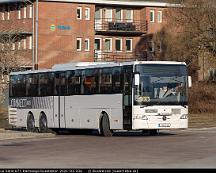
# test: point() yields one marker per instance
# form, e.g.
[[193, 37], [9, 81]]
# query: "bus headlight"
[[184, 116], [143, 117]]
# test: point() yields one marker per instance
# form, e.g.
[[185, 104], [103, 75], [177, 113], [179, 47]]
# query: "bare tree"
[[190, 32], [11, 58]]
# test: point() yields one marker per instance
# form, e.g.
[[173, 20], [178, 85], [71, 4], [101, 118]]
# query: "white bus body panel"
[[59, 112], [172, 114], [84, 111], [37, 106]]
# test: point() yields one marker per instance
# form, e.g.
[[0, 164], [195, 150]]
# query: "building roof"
[[152, 3]]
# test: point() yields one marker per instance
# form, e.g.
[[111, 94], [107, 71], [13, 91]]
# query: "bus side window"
[[73, 82], [43, 82], [116, 80], [21, 86], [59, 84], [90, 81], [50, 85], [105, 81], [12, 86]]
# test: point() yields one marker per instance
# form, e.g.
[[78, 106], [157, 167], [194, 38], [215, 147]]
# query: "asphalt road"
[[170, 149]]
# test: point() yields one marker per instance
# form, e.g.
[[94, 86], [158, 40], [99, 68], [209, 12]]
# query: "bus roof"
[[84, 65]]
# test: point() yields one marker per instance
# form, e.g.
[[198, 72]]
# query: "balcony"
[[116, 27], [116, 56]]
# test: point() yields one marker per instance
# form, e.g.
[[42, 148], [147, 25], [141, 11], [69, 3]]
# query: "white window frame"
[[131, 10], [8, 12], [121, 15], [131, 44], [30, 43], [80, 44], [80, 9], [120, 45], [153, 14], [13, 46], [24, 12], [24, 43], [3, 12], [19, 45], [30, 11], [110, 48], [160, 18], [87, 13], [88, 44], [19, 12], [107, 17]]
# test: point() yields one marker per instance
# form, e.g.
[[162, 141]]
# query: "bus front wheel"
[[31, 123], [105, 126], [153, 132]]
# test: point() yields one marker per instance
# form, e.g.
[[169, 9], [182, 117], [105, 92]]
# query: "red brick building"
[[77, 30]]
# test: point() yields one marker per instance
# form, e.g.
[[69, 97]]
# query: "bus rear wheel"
[[43, 124], [105, 126], [31, 123]]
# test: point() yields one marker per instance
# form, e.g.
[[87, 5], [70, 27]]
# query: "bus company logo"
[[20, 103], [52, 27]]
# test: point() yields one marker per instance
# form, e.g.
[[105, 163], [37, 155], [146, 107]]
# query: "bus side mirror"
[[136, 79], [189, 81]]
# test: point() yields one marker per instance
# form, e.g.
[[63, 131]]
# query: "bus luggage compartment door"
[[59, 112]]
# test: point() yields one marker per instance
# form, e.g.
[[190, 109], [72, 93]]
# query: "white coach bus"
[[106, 96]]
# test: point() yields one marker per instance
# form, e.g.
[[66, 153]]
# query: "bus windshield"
[[161, 85]]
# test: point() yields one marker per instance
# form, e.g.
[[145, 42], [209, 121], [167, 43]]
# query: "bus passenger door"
[[59, 100], [127, 97]]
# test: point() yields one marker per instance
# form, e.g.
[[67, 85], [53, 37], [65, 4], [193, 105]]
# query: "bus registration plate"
[[164, 125]]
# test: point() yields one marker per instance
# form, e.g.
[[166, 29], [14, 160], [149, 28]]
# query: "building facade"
[[60, 31]]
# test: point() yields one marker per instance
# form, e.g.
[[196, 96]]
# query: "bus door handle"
[[61, 115], [56, 115]]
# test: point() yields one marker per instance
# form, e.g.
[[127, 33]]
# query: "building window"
[[118, 14], [13, 46], [87, 45], [151, 46], [152, 15], [118, 44], [159, 46], [30, 42], [129, 15], [79, 44], [129, 45], [87, 13], [79, 13], [24, 43], [159, 16], [108, 44], [19, 11], [8, 12], [24, 12], [108, 14], [19, 45], [2, 12], [30, 11]]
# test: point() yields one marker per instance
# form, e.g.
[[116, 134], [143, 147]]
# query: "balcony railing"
[[125, 26], [117, 56]]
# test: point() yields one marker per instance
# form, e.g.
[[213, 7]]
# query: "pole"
[[36, 39], [33, 36]]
